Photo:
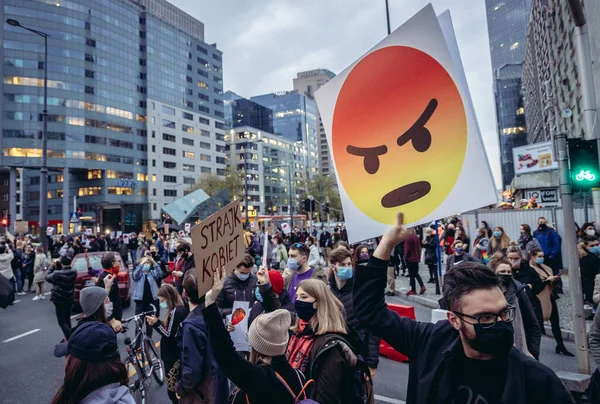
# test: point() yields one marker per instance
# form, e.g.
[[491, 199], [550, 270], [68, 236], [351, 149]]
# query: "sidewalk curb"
[[567, 335]]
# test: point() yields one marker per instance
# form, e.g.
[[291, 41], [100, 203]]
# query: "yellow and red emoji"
[[399, 134]]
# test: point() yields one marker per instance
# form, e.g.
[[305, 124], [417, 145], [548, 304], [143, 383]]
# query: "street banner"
[[533, 158], [217, 242], [402, 131]]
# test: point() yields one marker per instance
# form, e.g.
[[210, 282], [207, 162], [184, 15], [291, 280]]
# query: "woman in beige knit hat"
[[267, 376]]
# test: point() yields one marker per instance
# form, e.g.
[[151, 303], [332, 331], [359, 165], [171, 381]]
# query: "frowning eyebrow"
[[420, 123], [371, 155]]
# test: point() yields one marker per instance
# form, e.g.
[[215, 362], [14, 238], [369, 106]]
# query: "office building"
[[507, 27], [274, 166], [109, 63], [240, 111], [307, 83], [295, 119]]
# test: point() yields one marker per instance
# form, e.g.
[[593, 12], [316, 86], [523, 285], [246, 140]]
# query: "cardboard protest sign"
[[217, 242], [403, 134], [181, 233], [88, 232]]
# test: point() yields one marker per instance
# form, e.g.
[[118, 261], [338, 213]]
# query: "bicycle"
[[142, 357]]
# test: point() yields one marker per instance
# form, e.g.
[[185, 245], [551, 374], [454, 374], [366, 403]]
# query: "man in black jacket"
[[63, 278], [590, 266], [471, 354], [239, 286], [341, 283]]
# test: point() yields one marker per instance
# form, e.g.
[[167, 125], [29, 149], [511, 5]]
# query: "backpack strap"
[[289, 389]]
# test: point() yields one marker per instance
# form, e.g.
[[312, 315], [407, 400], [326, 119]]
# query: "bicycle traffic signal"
[[583, 160]]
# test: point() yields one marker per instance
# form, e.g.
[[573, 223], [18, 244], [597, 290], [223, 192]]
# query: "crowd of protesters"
[[317, 313]]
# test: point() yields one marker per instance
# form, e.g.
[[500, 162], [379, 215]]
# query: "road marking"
[[21, 335], [388, 400], [16, 301]]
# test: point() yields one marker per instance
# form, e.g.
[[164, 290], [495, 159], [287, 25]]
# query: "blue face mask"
[[242, 277], [595, 250], [164, 305], [146, 268], [497, 234], [539, 261], [292, 264], [459, 250], [258, 295], [344, 273]]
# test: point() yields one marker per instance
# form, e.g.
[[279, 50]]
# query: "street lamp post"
[[44, 166]]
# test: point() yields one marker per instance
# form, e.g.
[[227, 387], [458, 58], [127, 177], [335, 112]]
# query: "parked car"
[[85, 279]]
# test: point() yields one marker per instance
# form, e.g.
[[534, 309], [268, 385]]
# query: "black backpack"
[[358, 384]]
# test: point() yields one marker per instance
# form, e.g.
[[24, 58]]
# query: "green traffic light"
[[585, 175]]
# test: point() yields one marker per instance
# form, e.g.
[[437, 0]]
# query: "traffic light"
[[583, 161], [8, 220], [4, 222]]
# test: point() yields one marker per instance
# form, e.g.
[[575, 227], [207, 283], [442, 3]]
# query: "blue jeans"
[[132, 252], [19, 281]]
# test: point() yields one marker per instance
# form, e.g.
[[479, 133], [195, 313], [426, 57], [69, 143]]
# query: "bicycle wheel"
[[158, 368], [136, 384]]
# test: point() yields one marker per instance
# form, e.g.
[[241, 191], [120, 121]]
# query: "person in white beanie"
[[267, 376]]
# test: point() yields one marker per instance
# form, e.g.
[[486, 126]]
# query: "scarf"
[[523, 240], [300, 346]]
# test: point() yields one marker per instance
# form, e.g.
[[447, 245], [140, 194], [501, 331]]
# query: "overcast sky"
[[266, 42]]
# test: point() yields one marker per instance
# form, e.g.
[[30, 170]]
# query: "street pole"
[[581, 343], [586, 78], [438, 273], [387, 15], [246, 186], [291, 203], [44, 169]]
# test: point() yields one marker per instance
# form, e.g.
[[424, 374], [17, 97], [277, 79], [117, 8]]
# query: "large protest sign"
[[403, 133], [218, 242]]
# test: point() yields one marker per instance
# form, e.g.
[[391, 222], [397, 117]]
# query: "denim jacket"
[[138, 278]]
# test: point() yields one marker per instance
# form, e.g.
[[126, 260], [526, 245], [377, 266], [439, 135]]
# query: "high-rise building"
[[507, 27], [295, 119], [240, 111], [116, 71], [307, 83]]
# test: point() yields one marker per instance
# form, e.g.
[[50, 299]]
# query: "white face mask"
[[590, 232]]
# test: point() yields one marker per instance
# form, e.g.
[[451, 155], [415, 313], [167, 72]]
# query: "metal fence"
[[511, 220]]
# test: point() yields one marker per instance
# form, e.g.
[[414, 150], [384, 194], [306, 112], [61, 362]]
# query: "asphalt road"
[[31, 374]]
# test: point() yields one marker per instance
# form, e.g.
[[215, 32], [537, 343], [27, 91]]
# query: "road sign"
[[74, 217]]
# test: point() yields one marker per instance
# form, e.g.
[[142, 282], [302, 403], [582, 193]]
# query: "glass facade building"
[[295, 119], [240, 111], [507, 27], [106, 59]]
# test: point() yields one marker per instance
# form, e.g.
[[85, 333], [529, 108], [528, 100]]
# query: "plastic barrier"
[[384, 348]]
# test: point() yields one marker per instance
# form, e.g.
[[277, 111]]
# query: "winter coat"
[[112, 393], [39, 268], [594, 338], [279, 256], [549, 241], [28, 262], [430, 250], [187, 264], [314, 259], [133, 243], [17, 262], [169, 351], [590, 267], [596, 296], [258, 381], [436, 353], [452, 258], [370, 343], [516, 295], [140, 279], [236, 290], [526, 245], [64, 285], [5, 264], [200, 373], [271, 303], [412, 249]]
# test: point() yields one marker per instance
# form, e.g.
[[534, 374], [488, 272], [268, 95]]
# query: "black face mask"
[[506, 280], [305, 310], [496, 340], [154, 254], [542, 226]]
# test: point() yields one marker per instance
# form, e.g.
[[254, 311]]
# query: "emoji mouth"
[[406, 194]]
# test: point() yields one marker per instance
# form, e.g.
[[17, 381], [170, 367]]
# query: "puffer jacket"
[[64, 285], [5, 265], [112, 393], [236, 290], [370, 343]]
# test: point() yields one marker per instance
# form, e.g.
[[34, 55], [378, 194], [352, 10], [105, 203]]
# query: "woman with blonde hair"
[[320, 346], [499, 242], [172, 304]]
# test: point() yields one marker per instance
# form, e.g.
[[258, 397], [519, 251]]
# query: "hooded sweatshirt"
[[112, 393]]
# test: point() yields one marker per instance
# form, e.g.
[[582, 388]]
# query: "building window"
[[217, 57], [154, 206], [188, 180], [203, 85], [202, 61], [170, 192], [189, 154], [154, 192], [169, 151], [202, 108], [204, 133], [187, 142], [204, 121], [189, 167], [204, 145], [205, 170], [168, 124], [189, 104], [153, 148], [188, 78], [219, 125], [189, 91], [201, 49], [188, 116], [168, 110], [170, 178], [203, 97], [169, 164], [187, 128], [169, 138], [94, 175], [202, 73], [205, 157]]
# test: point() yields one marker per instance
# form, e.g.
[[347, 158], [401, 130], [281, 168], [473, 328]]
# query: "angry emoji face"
[[399, 134]]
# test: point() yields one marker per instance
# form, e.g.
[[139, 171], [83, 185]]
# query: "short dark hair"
[[589, 239], [107, 259], [2, 248], [338, 255], [278, 239], [65, 261], [301, 247], [190, 285], [247, 262], [183, 245], [464, 278]]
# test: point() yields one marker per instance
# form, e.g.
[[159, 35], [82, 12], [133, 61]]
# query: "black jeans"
[[172, 395], [432, 271], [63, 316], [141, 306], [555, 323], [29, 277], [413, 272]]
